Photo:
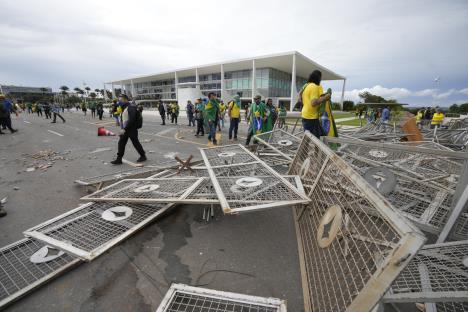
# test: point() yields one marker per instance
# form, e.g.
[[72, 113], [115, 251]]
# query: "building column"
[[254, 85], [342, 93], [293, 84], [113, 91], [104, 94], [223, 95], [133, 89], [176, 82]]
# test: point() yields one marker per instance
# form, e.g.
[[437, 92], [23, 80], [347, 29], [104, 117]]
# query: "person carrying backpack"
[[132, 120]]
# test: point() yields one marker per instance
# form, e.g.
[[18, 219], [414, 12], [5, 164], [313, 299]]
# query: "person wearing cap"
[[199, 111], [312, 96], [211, 116], [256, 107], [6, 108], [437, 118], [162, 112], [234, 108], [132, 120]]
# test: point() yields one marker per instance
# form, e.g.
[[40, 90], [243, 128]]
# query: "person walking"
[[29, 106], [162, 112], [56, 112], [190, 110], [116, 110], [46, 107], [6, 108], [222, 114], [100, 109], [199, 111], [132, 120], [211, 116], [282, 113], [92, 107], [175, 112], [312, 96], [385, 114], [256, 110], [84, 108], [234, 108]]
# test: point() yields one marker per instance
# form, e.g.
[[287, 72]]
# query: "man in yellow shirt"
[[312, 96], [437, 119], [234, 115]]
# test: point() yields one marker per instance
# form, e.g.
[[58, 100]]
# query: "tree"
[[348, 106], [64, 88], [368, 97], [93, 95], [459, 109]]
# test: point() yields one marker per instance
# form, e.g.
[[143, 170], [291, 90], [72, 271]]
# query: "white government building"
[[270, 76]]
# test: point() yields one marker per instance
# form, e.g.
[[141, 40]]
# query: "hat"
[[257, 97]]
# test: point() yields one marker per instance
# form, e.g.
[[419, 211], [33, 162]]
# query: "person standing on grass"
[[234, 108], [56, 112], [6, 108], [132, 120], [100, 109], [199, 111], [211, 116], [190, 110], [312, 96]]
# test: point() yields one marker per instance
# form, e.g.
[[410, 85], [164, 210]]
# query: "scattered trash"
[[30, 169], [171, 155], [151, 152], [103, 132], [16, 188]]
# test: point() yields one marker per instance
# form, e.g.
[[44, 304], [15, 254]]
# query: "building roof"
[[281, 61]]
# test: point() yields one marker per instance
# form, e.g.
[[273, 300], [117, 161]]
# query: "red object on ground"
[[101, 131]]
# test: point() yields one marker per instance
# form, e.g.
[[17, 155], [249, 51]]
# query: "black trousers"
[[6, 123], [174, 117], [133, 136], [55, 117], [100, 113], [39, 111], [47, 114], [233, 127], [191, 120], [200, 129], [163, 117], [93, 113]]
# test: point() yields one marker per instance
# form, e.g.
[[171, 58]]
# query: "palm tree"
[[92, 95], [87, 90], [64, 92]]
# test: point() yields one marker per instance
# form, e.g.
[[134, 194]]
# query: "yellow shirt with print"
[[235, 110], [311, 92]]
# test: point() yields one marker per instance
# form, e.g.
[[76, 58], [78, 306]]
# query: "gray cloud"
[[394, 44]]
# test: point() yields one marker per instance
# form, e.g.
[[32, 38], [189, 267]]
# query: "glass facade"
[[269, 82]]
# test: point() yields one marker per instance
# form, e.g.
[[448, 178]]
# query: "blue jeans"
[[313, 126], [212, 131]]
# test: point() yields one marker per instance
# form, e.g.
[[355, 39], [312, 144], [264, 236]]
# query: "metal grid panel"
[[85, 233], [280, 141], [246, 187], [352, 242], [174, 173], [18, 275], [183, 298], [147, 190], [452, 306], [227, 155], [435, 274], [426, 180], [142, 172]]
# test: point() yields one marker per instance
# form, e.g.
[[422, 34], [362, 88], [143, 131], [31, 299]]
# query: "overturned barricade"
[[353, 244]]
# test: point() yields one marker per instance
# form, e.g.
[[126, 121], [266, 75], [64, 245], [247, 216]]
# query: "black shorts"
[[313, 126]]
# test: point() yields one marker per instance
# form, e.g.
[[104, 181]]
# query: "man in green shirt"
[[211, 116], [256, 106]]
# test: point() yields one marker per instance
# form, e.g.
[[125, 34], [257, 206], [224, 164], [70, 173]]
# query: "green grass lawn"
[[339, 114], [354, 122]]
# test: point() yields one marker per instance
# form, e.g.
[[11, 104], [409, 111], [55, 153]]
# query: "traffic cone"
[[101, 131]]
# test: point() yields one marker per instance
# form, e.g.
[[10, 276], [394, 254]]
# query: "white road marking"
[[26, 121], [131, 163], [56, 133]]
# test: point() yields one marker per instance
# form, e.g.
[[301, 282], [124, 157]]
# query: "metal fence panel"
[[157, 190], [19, 275], [280, 141], [352, 242], [245, 183], [93, 228], [135, 173], [181, 298], [436, 274]]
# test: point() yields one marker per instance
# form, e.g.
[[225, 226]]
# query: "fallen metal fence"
[[181, 298], [91, 229], [352, 243], [26, 265]]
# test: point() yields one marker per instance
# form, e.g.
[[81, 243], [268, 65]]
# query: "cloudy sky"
[[391, 48]]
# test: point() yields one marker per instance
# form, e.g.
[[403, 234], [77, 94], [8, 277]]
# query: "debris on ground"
[[44, 159], [102, 149]]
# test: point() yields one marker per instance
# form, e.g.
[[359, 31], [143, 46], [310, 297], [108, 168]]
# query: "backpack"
[[139, 119]]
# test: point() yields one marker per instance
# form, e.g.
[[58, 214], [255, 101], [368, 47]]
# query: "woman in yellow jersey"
[[312, 96], [437, 119]]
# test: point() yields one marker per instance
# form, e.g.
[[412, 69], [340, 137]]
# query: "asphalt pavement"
[[254, 254]]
